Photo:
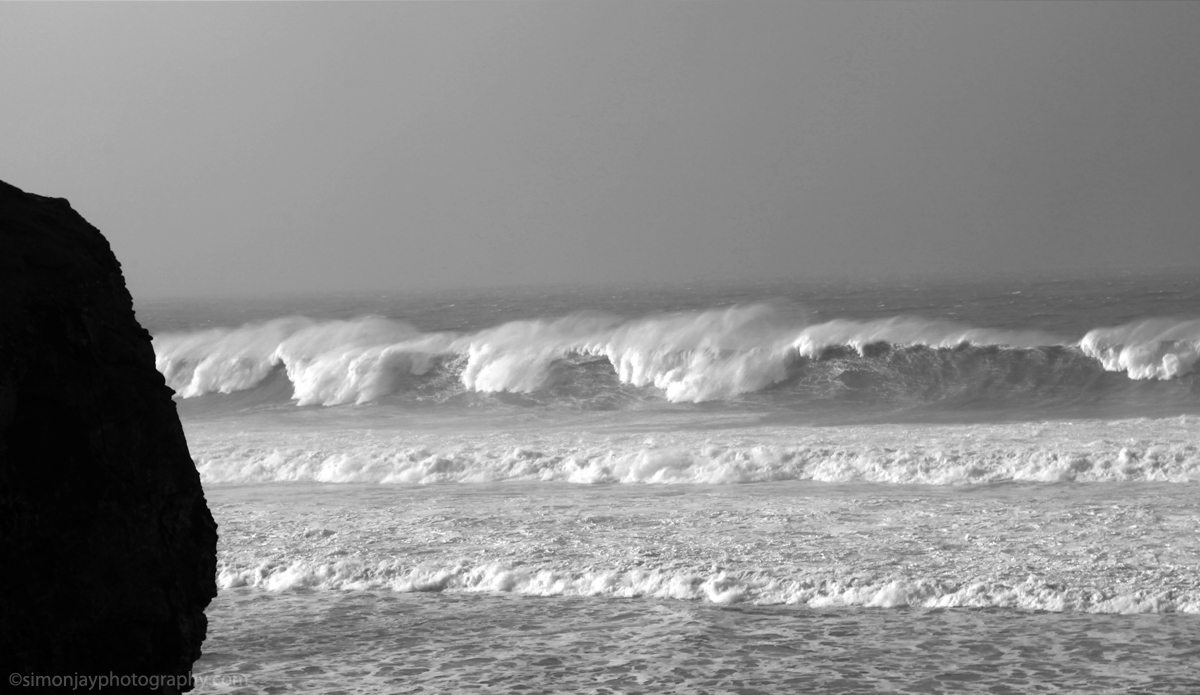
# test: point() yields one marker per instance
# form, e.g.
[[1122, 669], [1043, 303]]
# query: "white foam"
[[1088, 451], [816, 590]]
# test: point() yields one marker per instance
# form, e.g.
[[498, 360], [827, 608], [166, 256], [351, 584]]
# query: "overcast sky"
[[242, 148]]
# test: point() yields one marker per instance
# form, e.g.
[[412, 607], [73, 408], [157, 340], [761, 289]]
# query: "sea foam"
[[829, 591], [1096, 451]]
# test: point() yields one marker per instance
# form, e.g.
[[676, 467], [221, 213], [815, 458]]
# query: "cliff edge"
[[107, 546]]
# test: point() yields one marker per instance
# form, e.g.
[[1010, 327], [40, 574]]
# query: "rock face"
[[107, 547]]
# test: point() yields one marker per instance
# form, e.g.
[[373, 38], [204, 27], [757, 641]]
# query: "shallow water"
[[373, 641], [1114, 548], [778, 588]]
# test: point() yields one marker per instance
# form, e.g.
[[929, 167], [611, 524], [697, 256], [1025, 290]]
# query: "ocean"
[[953, 486]]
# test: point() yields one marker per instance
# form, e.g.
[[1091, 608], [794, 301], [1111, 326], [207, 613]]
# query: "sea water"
[[932, 487]]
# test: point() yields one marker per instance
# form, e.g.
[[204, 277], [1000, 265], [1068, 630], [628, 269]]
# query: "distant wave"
[[686, 357]]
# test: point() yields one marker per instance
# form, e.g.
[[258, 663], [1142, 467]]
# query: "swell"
[[747, 354]]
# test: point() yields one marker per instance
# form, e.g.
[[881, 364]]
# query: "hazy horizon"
[[279, 149]]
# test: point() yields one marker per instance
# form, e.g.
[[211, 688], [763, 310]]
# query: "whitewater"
[[958, 486]]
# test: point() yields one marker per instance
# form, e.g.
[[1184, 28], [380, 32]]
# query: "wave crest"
[[1152, 349], [691, 357]]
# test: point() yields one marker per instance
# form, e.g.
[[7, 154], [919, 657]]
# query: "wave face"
[[753, 356]]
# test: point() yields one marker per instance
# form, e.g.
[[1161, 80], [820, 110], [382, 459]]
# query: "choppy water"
[[962, 487]]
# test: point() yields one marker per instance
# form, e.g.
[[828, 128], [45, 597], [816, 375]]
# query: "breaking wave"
[[1152, 349], [716, 355], [761, 588], [1069, 452]]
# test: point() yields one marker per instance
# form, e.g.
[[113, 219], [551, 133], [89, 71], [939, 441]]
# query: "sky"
[[265, 148]]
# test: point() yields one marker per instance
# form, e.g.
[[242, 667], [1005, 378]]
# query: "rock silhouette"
[[107, 546]]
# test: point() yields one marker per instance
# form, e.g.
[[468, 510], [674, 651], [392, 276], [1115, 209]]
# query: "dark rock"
[[107, 547]]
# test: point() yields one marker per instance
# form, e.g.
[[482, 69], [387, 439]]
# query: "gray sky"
[[240, 148]]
